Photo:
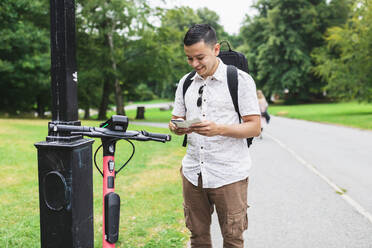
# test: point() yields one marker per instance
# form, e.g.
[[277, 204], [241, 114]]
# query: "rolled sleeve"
[[248, 103], [179, 101]]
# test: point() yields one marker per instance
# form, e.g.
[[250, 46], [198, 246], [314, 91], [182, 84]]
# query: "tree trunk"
[[140, 113], [86, 112], [118, 91], [102, 113], [40, 108]]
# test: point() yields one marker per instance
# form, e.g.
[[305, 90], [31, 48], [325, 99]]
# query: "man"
[[216, 166]]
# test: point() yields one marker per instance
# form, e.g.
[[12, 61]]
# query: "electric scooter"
[[110, 132]]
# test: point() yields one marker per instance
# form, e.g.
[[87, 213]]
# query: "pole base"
[[66, 193]]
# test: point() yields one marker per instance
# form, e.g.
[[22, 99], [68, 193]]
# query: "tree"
[[346, 61], [91, 78], [279, 42], [174, 25], [210, 17], [145, 67], [24, 56], [112, 24], [119, 52]]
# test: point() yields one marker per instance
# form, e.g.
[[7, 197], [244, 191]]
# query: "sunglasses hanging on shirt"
[[199, 101]]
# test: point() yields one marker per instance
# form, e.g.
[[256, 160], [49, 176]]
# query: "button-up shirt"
[[221, 160]]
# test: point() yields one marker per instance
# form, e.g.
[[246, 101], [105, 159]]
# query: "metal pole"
[[63, 59], [65, 161]]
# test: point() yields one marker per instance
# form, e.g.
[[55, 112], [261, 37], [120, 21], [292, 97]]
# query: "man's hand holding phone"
[[180, 126]]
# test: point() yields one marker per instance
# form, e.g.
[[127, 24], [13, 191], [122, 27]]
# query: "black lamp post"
[[64, 160]]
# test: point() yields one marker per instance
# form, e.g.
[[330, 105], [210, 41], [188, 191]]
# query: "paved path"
[[299, 167], [151, 105]]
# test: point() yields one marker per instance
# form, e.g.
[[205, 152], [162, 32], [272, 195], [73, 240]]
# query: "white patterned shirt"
[[221, 160]]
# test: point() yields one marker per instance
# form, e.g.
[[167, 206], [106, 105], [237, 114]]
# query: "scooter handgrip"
[[165, 137], [68, 128]]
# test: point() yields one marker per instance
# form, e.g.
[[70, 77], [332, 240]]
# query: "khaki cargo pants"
[[231, 206]]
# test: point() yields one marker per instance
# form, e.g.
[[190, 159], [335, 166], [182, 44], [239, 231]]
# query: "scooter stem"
[[111, 200], [108, 187]]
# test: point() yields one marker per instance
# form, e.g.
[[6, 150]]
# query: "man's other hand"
[[206, 128]]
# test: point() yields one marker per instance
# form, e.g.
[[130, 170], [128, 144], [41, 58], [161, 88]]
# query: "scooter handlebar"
[[104, 132]]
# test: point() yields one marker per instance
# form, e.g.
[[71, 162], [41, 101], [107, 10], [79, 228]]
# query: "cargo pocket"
[[187, 217], [237, 222]]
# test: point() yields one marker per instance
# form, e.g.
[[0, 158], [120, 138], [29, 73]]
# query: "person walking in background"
[[265, 117], [217, 163]]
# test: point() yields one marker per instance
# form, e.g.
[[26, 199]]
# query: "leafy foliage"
[[174, 24], [24, 56], [122, 54], [108, 29], [279, 41], [346, 61]]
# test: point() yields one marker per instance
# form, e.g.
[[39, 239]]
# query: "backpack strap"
[[232, 82], [186, 85], [187, 82]]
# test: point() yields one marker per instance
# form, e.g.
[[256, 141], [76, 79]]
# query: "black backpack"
[[233, 60]]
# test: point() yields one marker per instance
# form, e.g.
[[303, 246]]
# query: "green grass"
[[350, 114], [152, 101], [150, 189], [152, 115]]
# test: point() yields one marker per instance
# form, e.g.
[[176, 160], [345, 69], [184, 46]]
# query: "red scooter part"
[[111, 204]]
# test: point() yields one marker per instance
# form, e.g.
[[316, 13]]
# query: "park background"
[[315, 57]]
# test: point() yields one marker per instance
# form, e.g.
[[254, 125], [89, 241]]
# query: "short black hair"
[[200, 32]]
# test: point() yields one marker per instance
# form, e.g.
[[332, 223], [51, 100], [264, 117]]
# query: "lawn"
[[152, 115], [152, 101], [350, 114], [150, 189]]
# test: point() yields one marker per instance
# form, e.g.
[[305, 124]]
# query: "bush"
[[144, 93]]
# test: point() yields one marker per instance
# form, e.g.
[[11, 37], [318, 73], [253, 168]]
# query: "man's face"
[[202, 58]]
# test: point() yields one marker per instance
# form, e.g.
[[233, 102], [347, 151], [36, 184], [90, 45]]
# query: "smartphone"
[[180, 123], [185, 124], [177, 120]]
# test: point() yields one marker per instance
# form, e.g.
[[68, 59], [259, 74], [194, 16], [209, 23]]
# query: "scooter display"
[[110, 132]]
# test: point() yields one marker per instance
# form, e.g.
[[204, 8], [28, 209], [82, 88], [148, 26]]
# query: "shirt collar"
[[218, 75]]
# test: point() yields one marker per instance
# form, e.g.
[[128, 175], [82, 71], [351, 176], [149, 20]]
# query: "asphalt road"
[[299, 167], [310, 186]]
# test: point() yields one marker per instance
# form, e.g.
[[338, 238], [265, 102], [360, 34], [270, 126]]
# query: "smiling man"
[[217, 163]]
